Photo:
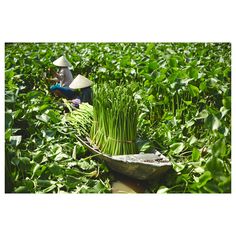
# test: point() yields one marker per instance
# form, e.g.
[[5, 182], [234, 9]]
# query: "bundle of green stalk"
[[81, 119], [114, 128]]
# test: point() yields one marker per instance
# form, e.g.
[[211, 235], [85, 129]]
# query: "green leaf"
[[189, 123], [60, 156], [173, 62], [196, 154], [54, 116], [187, 102], [152, 65], [178, 166], [45, 182], [204, 178], [193, 73], [203, 114], [203, 86], [219, 148], [21, 189], [223, 111], [215, 165], [227, 102], [56, 169], [176, 148], [151, 98], [194, 91], [145, 147], [199, 170], [36, 168], [8, 120], [9, 73], [163, 189], [192, 140], [216, 123], [45, 118], [49, 189], [15, 140], [8, 134]]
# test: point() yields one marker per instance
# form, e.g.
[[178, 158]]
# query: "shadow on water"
[[124, 184]]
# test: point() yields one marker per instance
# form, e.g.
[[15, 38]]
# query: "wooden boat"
[[143, 166]]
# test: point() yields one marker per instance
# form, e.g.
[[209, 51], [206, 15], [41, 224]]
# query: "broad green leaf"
[[151, 98], [203, 114], [8, 120], [192, 140], [152, 65], [194, 91], [54, 116], [227, 102], [163, 189], [178, 166], [203, 86], [10, 98], [223, 111], [145, 147], [45, 118], [195, 154], [177, 147], [211, 187], [219, 148], [56, 169], [204, 178], [193, 73], [36, 168], [60, 156], [216, 123], [49, 189], [199, 170], [189, 123], [173, 62], [21, 189], [45, 182], [15, 140], [187, 102], [8, 134], [215, 165]]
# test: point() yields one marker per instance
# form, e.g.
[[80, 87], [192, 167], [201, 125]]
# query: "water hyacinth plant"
[[114, 128]]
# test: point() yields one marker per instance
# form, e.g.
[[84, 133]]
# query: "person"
[[82, 86], [64, 78]]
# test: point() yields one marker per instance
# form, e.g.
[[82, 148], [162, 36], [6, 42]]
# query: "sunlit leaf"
[[177, 147], [163, 189], [196, 154], [194, 91], [15, 140]]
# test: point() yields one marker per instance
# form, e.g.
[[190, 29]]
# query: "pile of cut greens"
[[114, 128]]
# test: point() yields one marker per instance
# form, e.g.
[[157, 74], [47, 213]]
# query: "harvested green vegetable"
[[114, 128], [81, 119]]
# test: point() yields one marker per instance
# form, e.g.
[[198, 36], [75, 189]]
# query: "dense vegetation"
[[183, 91]]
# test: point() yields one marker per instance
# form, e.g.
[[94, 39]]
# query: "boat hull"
[[143, 166]]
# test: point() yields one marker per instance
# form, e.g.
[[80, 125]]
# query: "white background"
[[115, 21]]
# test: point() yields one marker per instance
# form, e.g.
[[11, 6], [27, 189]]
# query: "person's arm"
[[59, 75], [55, 74]]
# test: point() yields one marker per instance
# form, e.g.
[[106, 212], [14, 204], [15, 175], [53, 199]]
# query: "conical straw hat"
[[80, 82], [62, 61]]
